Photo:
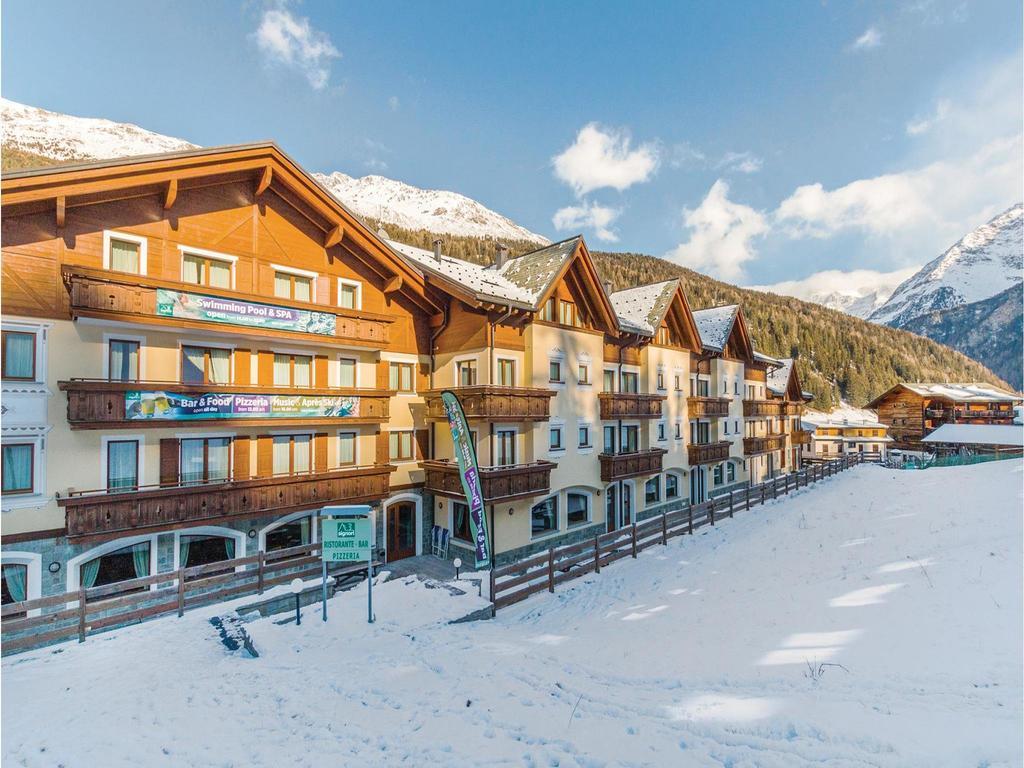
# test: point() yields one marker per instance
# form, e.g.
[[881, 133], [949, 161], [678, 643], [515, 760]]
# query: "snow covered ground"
[[873, 620]]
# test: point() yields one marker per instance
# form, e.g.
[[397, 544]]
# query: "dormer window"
[[205, 268]]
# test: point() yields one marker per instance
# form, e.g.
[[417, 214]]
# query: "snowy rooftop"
[[643, 308], [778, 379], [533, 272], [963, 392], [715, 324], [978, 434], [843, 416]]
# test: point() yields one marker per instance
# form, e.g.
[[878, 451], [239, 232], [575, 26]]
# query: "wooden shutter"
[[320, 452], [243, 367], [383, 454], [422, 437], [265, 368], [264, 455], [320, 371], [240, 447], [169, 460], [382, 374]]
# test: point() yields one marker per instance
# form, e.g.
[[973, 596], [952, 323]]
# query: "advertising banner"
[[469, 474], [140, 405], [215, 309]]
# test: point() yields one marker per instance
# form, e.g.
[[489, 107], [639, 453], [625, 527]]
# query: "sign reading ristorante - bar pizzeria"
[[216, 309], [139, 406]]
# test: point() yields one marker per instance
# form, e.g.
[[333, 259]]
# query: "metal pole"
[[324, 564], [369, 589], [298, 613]]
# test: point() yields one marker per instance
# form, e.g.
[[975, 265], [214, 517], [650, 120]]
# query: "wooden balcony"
[[91, 513], [708, 453], [102, 404], [630, 405], [133, 298], [801, 437], [992, 414], [766, 444], [707, 407], [517, 481], [492, 402], [756, 408], [618, 466]]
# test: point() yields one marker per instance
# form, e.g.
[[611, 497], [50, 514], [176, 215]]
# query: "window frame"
[[4, 334], [471, 365], [308, 438], [206, 459], [400, 457], [589, 514], [110, 340], [583, 374], [206, 347], [511, 363], [293, 273], [558, 429], [400, 365], [561, 373], [109, 235], [291, 369], [648, 501], [557, 518], [114, 439], [355, 448], [32, 475], [580, 428], [207, 256], [342, 359], [357, 297]]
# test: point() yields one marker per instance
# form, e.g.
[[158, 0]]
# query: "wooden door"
[[401, 520]]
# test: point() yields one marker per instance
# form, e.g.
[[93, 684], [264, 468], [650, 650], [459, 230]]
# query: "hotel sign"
[[216, 309], [172, 406]]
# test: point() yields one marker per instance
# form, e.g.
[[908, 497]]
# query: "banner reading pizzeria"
[[214, 309], [177, 407]]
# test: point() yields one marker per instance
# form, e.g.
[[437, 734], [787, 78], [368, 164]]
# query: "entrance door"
[[401, 530], [627, 505], [611, 507], [697, 485]]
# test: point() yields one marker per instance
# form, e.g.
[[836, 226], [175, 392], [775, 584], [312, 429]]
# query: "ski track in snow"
[[694, 654]]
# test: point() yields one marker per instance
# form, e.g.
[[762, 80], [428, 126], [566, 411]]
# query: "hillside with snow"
[[65, 138]]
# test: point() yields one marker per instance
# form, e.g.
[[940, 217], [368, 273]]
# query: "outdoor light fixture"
[[457, 562], [510, 511], [54, 567], [252, 533], [297, 590]]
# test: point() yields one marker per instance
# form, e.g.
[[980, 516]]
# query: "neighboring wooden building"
[[846, 431], [913, 411]]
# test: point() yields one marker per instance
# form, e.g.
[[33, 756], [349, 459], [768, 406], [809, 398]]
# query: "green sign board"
[[347, 540]]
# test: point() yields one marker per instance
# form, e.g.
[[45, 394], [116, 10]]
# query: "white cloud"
[[742, 162], [588, 216], [853, 284], [871, 38], [602, 157], [393, 103], [291, 41], [923, 125], [721, 235], [686, 155]]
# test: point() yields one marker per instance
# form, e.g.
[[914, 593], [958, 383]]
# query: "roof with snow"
[[534, 272], [844, 416], [962, 393], [714, 325], [642, 309], [778, 379], [978, 434]]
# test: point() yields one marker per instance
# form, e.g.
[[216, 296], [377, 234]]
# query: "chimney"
[[437, 250], [501, 256], [608, 286]]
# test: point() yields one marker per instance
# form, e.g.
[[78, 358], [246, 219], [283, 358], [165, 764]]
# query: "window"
[[671, 487], [291, 286], [679, 383], [506, 372], [609, 440], [347, 374], [19, 356], [123, 360], [461, 528], [584, 374], [350, 294], [609, 380], [205, 459], [679, 430], [400, 446], [18, 460], [292, 454], [122, 464], [726, 427], [555, 439], [125, 253], [400, 377], [577, 508], [661, 380], [293, 370], [205, 269], [292, 534], [700, 432], [506, 446], [652, 491], [584, 436], [630, 382], [205, 365], [663, 336], [555, 372], [703, 387], [202, 550], [346, 448], [725, 386], [718, 474], [736, 387], [465, 373], [730, 472], [630, 438], [14, 585], [662, 431], [131, 562], [544, 516], [736, 426], [547, 312]]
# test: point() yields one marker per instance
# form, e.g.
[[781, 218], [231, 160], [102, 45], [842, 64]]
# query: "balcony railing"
[[630, 405], [99, 403], [757, 408], [618, 466], [801, 437], [505, 483], [122, 296], [486, 401], [708, 453], [793, 409], [707, 407], [765, 444], [988, 413], [107, 512]]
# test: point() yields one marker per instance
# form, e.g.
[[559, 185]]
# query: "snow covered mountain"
[[851, 303], [983, 263], [66, 138], [857, 292]]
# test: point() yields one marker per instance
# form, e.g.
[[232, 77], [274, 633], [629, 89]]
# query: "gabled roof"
[[535, 272], [778, 379], [643, 308], [715, 325], [961, 393]]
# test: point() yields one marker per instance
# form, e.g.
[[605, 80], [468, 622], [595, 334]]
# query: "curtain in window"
[[220, 274], [303, 289], [303, 366], [15, 575], [220, 366], [122, 464], [304, 529], [347, 449], [124, 256], [282, 370], [282, 455], [124, 361], [183, 551], [301, 453], [140, 557], [89, 573], [229, 548], [19, 355], [191, 461], [17, 467], [282, 285], [218, 461], [348, 373], [192, 270]]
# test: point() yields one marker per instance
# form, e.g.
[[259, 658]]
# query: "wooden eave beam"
[[266, 177], [334, 236], [171, 194], [394, 284], [61, 211]]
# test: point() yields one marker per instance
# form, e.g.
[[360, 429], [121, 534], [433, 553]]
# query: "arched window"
[[119, 560], [544, 517], [207, 544], [290, 531], [577, 507], [652, 491], [671, 486]]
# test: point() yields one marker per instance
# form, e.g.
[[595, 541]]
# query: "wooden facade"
[[911, 415]]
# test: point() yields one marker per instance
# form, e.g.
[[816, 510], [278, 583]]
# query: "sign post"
[[347, 537]]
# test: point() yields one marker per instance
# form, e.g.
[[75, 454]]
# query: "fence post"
[[762, 493], [81, 614], [730, 503], [259, 571], [634, 539], [746, 494], [664, 529], [597, 555], [493, 585], [690, 511], [181, 592], [551, 569], [711, 510]]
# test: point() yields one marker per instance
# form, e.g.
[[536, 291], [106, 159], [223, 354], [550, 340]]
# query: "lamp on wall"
[[54, 567], [252, 533], [510, 511]]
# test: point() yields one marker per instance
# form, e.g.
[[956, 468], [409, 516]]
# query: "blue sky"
[[759, 142]]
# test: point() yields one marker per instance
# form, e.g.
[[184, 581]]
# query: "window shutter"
[[265, 368], [320, 452], [382, 374], [169, 461], [243, 366], [422, 443], [264, 455], [320, 371], [240, 446], [383, 456]]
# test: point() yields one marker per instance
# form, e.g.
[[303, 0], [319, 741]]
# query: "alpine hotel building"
[[201, 349]]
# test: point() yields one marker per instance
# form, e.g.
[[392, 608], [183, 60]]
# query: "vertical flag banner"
[[469, 474]]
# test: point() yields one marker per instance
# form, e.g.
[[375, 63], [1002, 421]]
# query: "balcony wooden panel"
[[100, 404], [766, 444], [755, 408], [516, 481], [113, 512], [491, 402], [618, 466], [801, 437], [120, 296], [708, 453], [630, 405], [707, 407]]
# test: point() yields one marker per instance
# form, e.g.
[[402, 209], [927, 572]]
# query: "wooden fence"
[[544, 571], [77, 614]]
